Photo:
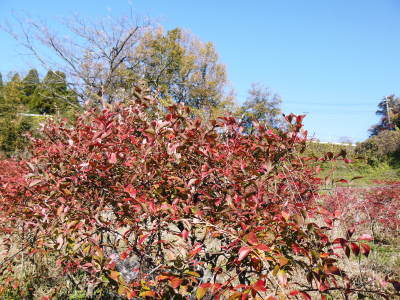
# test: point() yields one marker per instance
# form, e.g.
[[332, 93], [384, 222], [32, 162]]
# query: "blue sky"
[[334, 59]]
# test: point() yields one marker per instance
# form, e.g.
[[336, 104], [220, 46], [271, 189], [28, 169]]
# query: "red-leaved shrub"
[[124, 203], [375, 208]]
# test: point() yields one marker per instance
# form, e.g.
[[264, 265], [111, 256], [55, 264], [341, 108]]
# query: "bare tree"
[[93, 55]]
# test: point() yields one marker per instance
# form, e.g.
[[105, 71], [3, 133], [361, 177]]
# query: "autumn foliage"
[[138, 203], [375, 208]]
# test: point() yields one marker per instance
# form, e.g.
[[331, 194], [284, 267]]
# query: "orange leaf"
[[283, 261], [114, 275], [175, 282]]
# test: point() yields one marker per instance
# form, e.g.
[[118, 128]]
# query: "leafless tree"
[[93, 55]]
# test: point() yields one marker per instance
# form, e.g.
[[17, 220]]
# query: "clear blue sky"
[[334, 60]]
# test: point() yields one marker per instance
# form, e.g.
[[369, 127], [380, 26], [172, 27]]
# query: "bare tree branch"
[[93, 56]]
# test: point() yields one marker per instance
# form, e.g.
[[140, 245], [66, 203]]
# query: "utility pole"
[[387, 110]]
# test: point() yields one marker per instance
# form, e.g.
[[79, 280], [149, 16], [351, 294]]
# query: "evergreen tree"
[[13, 91], [53, 95], [18, 97], [30, 82], [16, 77], [12, 123]]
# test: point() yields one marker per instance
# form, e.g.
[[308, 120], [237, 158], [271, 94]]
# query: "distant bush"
[[317, 149], [375, 208], [381, 147], [372, 209]]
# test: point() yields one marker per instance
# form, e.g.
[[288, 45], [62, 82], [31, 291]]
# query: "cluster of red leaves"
[[155, 207], [376, 207]]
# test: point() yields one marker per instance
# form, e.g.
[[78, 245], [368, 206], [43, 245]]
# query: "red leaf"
[[185, 234], [124, 255], [251, 238], [355, 249], [347, 251], [340, 241], [259, 286], [142, 238], [303, 294], [350, 233], [328, 221], [300, 118], [195, 251], [322, 286], [131, 191], [113, 158], [365, 237], [365, 249], [243, 252], [263, 247], [331, 269]]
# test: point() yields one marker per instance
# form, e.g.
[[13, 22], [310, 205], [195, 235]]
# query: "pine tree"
[[12, 123], [30, 82], [17, 97], [53, 95]]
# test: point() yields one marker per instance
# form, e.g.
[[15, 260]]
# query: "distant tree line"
[[23, 98], [102, 64]]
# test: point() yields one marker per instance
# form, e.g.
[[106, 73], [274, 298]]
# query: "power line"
[[329, 104], [344, 112]]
